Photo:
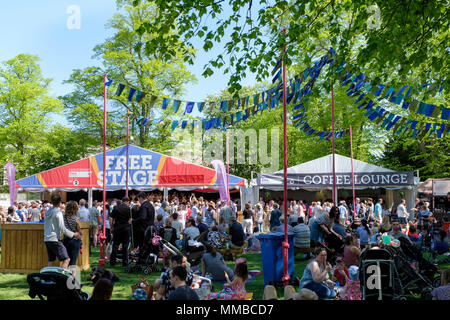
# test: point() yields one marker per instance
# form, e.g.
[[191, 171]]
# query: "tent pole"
[[102, 260], [228, 166], [128, 135], [353, 177], [332, 137], [285, 243], [90, 197]]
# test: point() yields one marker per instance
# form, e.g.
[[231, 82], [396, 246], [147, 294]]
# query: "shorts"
[[93, 229], [56, 249], [108, 236], [402, 220]]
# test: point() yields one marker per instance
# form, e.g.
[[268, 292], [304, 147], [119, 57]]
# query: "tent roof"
[[441, 187], [324, 165], [147, 170], [342, 165]]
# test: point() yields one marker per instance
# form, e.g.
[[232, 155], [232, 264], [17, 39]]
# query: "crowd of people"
[[181, 218]]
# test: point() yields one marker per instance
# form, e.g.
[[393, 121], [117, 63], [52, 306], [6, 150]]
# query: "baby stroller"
[[426, 270], [335, 248], [378, 275], [410, 279], [146, 260], [56, 284], [194, 251]]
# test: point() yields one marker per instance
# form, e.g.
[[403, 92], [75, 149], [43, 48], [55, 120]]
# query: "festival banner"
[[367, 179], [221, 181], [11, 175], [147, 169]]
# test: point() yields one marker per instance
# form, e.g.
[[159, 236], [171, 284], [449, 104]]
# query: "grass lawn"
[[15, 286]]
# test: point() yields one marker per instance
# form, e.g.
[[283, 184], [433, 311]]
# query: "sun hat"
[[353, 272], [289, 292], [139, 294], [270, 293], [306, 294]]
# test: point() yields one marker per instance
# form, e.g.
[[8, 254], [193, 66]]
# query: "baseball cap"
[[139, 294], [339, 259]]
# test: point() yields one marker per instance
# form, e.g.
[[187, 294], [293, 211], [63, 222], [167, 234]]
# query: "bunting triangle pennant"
[[230, 104], [437, 110], [200, 106], [120, 88], [139, 120], [224, 105], [131, 94], [277, 66], [140, 97], [189, 107], [165, 103], [445, 115], [176, 105]]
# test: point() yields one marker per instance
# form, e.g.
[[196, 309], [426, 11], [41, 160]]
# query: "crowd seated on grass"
[[184, 218]]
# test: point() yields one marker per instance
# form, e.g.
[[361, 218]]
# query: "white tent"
[[316, 175]]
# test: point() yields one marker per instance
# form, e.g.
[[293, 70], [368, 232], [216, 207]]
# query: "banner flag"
[[120, 88], [11, 175], [131, 94], [176, 105], [222, 182]]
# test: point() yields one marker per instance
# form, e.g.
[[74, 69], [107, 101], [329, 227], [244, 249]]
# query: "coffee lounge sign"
[[370, 179]]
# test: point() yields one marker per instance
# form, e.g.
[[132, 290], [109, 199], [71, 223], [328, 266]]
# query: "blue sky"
[[40, 28]]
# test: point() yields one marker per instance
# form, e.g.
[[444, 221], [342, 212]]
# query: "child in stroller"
[[56, 284], [194, 251]]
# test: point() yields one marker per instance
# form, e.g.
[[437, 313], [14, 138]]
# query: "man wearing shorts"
[[93, 221], [53, 229], [402, 213]]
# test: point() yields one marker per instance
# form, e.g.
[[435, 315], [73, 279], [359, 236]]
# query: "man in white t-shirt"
[[317, 210], [343, 213], [402, 213], [194, 209]]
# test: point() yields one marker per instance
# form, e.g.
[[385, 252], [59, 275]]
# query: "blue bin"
[[272, 256]]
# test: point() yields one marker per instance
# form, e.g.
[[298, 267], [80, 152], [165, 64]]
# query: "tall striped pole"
[[128, 136], [332, 137], [353, 176], [286, 242], [102, 259]]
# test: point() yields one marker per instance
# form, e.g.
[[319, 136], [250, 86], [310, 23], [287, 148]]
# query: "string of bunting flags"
[[245, 107], [360, 87]]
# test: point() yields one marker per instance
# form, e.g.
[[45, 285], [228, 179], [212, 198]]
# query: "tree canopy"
[[392, 37]]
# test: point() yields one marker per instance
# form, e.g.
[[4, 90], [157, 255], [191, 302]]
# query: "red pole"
[[228, 166], [353, 178], [102, 259], [332, 137], [286, 242], [128, 135]]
